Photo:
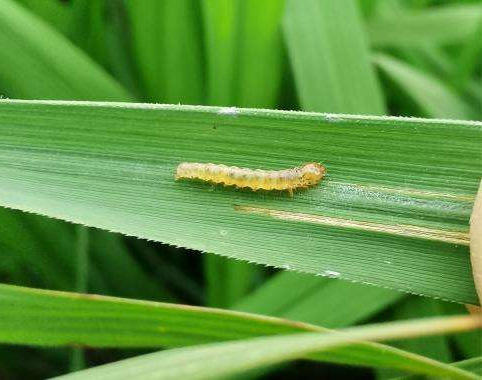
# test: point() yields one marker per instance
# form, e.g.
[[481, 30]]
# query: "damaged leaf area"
[[400, 229], [389, 212]]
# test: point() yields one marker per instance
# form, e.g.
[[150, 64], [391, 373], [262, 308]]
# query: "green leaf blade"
[[50, 318], [445, 25], [122, 180], [171, 68], [433, 97], [63, 72], [331, 64]]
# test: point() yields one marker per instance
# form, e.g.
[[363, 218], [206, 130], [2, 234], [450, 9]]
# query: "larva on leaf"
[[309, 174]]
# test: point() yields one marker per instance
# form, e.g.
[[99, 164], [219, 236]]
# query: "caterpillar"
[[309, 174]]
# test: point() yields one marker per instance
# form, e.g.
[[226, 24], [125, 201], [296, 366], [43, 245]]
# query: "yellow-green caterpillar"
[[309, 174]]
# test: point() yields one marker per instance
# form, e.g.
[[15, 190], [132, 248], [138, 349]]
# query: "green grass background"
[[367, 57]]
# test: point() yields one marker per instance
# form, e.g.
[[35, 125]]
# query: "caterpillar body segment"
[[309, 174]]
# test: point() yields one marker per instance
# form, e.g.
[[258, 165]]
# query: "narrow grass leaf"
[[468, 344], [82, 259], [332, 69], [114, 261], [47, 62], [434, 347], [447, 24], [221, 41], [77, 360], [97, 321], [279, 292], [298, 296], [472, 365], [429, 93], [54, 12], [259, 54], [167, 46], [243, 68], [102, 30], [25, 252], [226, 280], [230, 358], [469, 58], [331, 64], [389, 213]]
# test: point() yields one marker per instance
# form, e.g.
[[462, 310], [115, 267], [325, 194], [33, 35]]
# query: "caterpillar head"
[[312, 173]]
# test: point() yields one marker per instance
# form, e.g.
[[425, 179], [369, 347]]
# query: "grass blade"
[[331, 64], [259, 53], [114, 261], [230, 358], [297, 296], [473, 365], [47, 62], [392, 219], [431, 95], [53, 12], [99, 321], [243, 55], [33, 262], [244, 52], [77, 361], [434, 347], [171, 68], [468, 344], [448, 24]]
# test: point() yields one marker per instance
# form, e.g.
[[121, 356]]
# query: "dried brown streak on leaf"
[[399, 229]]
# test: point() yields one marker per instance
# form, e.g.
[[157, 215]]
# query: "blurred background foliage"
[[405, 57]]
